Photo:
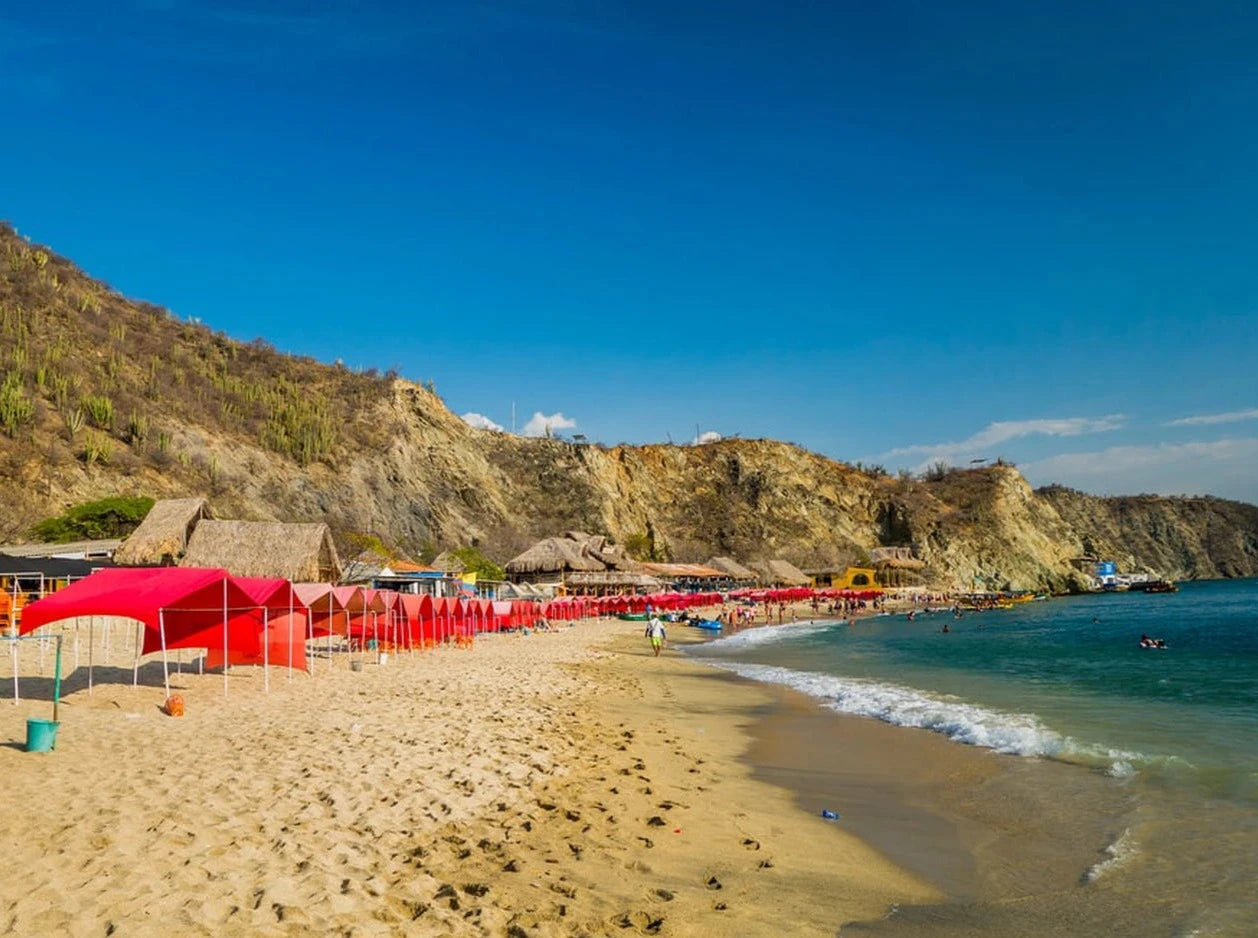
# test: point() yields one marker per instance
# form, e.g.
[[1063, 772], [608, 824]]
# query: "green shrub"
[[108, 517], [475, 562]]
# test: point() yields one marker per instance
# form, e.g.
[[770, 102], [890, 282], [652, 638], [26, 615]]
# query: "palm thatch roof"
[[265, 548], [779, 573], [732, 568], [572, 552], [163, 535]]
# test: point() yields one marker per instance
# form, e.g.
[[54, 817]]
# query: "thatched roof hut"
[[574, 552], [732, 568], [163, 535], [779, 573], [299, 552]]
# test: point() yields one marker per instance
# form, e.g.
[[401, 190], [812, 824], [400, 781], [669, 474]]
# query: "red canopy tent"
[[284, 618], [180, 607], [458, 617], [488, 619]]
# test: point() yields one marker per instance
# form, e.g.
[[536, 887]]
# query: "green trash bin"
[[41, 735]]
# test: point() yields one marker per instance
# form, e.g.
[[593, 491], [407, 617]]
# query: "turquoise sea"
[[1172, 733]]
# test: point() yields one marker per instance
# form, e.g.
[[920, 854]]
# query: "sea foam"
[[760, 635], [1116, 854], [1016, 733]]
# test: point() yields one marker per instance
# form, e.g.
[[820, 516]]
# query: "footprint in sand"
[[642, 921]]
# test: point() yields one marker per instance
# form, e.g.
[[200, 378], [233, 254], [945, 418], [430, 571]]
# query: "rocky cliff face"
[[1180, 538], [103, 396]]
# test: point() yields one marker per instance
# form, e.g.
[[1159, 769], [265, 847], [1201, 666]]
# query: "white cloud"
[[543, 425], [1005, 430], [707, 436], [481, 422], [1234, 416], [1220, 467]]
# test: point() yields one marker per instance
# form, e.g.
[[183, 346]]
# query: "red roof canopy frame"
[[286, 619], [180, 607]]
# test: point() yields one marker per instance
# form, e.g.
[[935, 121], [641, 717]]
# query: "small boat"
[[1161, 586], [711, 625], [633, 616]]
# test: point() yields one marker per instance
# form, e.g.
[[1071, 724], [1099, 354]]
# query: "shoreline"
[[1014, 843], [549, 784]]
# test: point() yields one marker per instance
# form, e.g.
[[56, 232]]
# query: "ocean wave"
[[1116, 854], [760, 635], [1021, 734], [1016, 733]]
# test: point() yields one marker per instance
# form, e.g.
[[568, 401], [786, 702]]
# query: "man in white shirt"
[[655, 632]]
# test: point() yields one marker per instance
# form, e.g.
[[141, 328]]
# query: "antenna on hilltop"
[[513, 417]]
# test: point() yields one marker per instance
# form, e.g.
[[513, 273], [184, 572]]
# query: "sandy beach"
[[546, 784]]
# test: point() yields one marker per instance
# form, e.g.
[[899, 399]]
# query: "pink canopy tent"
[[328, 615], [502, 614], [179, 607], [354, 601]]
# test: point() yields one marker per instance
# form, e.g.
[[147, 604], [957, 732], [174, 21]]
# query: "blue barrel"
[[41, 735]]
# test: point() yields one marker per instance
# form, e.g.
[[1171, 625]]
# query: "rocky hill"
[[104, 396], [1182, 538]]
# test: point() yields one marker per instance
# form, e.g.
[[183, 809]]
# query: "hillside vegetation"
[[104, 397]]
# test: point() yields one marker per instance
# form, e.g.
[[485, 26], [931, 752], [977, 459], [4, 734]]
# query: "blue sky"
[[892, 232]]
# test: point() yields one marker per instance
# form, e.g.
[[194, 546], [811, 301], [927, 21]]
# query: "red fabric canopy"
[[286, 625], [189, 602]]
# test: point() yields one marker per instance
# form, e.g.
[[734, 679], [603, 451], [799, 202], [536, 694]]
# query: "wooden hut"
[[298, 552], [162, 536], [688, 577], [573, 552]]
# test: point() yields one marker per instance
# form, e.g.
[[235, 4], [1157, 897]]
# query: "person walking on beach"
[[655, 632]]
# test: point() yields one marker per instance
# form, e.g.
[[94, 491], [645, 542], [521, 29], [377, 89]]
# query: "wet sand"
[[550, 784], [1011, 842]]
